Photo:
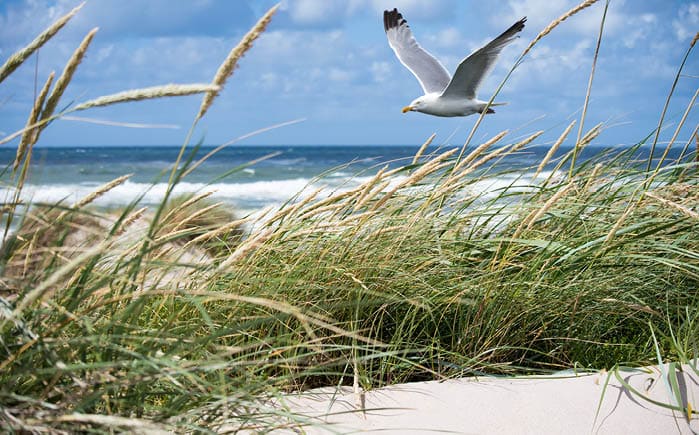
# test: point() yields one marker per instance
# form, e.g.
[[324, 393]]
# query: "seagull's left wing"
[[431, 74], [472, 70]]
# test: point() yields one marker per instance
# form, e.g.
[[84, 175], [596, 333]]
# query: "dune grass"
[[163, 320]]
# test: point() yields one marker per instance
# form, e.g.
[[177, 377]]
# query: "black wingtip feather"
[[392, 19]]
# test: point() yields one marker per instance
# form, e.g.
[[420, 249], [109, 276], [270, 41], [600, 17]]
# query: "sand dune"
[[489, 405]]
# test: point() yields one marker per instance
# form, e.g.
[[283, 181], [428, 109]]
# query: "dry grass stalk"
[[555, 24], [28, 138], [694, 40], [229, 64], [236, 224], [296, 207], [44, 288], [246, 247], [684, 210], [196, 215], [365, 199], [503, 151], [480, 150], [332, 200], [534, 215], [424, 146], [426, 169], [590, 136], [336, 207], [689, 108], [66, 76], [612, 233], [19, 57], [366, 188], [548, 204], [185, 204], [100, 191], [130, 219], [593, 176], [171, 90], [553, 150]]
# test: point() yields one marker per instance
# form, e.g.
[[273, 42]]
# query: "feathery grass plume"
[[28, 135], [426, 169], [288, 211], [480, 150], [548, 29], [590, 136], [41, 290], [424, 146], [19, 57], [612, 232], [231, 226], [547, 205], [185, 202], [170, 90], [130, 219], [502, 151], [553, 150], [246, 247], [592, 177], [371, 194], [194, 216], [100, 191], [331, 200], [367, 186], [686, 211], [65, 77], [231, 62]]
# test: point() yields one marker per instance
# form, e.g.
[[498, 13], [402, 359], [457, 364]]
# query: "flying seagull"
[[445, 95]]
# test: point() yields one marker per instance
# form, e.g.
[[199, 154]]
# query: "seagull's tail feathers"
[[490, 110]]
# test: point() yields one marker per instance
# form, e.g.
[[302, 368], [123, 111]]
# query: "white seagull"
[[445, 95]]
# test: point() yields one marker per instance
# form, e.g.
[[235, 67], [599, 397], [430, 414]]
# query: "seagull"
[[445, 95]]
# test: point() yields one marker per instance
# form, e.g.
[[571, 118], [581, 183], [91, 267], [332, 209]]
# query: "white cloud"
[[687, 22], [314, 11], [448, 37], [541, 13], [381, 71]]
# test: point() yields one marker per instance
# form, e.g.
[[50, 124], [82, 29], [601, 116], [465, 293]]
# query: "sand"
[[563, 403]]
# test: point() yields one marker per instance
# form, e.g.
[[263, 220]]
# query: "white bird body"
[[445, 95], [434, 103]]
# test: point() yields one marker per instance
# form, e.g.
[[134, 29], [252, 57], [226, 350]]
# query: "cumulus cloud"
[[325, 13], [687, 22]]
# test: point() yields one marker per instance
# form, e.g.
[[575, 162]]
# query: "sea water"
[[70, 173]]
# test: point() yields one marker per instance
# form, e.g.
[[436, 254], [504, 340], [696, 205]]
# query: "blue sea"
[[69, 173]]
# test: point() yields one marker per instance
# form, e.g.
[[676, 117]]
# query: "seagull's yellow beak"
[[407, 109]]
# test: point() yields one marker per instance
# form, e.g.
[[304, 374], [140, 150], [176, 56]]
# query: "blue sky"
[[328, 61]]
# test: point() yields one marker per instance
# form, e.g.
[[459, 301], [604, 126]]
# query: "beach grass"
[[189, 318]]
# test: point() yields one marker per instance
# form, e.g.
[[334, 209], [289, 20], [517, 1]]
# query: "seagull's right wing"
[[433, 77], [472, 70]]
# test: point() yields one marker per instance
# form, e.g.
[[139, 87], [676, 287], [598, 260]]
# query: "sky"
[[328, 62]]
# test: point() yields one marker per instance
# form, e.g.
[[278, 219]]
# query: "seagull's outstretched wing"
[[474, 68], [431, 74]]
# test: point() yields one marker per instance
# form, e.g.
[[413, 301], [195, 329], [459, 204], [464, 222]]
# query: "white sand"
[[487, 405]]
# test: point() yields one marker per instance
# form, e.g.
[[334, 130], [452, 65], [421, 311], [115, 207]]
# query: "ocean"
[[69, 173]]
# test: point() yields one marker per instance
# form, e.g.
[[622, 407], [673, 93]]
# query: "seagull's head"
[[415, 105]]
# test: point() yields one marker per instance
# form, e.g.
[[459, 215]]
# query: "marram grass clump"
[[185, 317]]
